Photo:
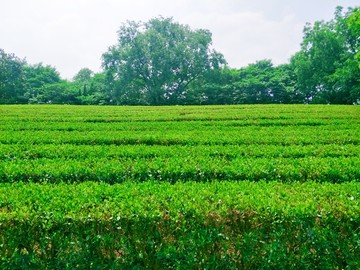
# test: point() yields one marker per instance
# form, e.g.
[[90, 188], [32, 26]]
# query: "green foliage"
[[39, 75], [162, 62], [154, 62], [91, 87], [95, 187], [353, 23], [257, 83], [219, 225], [36, 84], [12, 79], [326, 67], [39, 79], [263, 83], [214, 87], [84, 75]]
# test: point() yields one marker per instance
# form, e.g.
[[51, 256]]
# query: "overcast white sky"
[[72, 34]]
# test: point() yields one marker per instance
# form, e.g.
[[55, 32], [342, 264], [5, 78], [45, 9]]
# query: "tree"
[[84, 75], [91, 87], [348, 77], [353, 25], [83, 81], [326, 67], [63, 92], [261, 82], [154, 62], [215, 87], [12, 80], [37, 77]]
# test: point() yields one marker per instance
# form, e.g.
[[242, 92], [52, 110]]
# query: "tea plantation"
[[181, 187]]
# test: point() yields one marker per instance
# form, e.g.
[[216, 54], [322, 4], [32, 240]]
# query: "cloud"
[[72, 34], [245, 37]]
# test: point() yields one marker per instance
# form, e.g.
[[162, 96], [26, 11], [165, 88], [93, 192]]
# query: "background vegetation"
[[162, 62]]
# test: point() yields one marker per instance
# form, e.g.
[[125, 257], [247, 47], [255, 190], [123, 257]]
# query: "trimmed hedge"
[[218, 225], [58, 209]]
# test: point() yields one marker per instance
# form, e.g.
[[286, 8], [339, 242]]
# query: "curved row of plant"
[[106, 114], [187, 225], [187, 187], [189, 135], [10, 152], [175, 169]]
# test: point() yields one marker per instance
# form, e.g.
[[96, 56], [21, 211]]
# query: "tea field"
[[181, 187]]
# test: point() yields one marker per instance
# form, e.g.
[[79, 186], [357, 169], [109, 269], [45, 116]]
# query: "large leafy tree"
[[154, 62], [83, 81], [347, 78], [84, 75], [261, 82], [91, 87], [215, 87], [326, 67], [37, 77], [12, 79]]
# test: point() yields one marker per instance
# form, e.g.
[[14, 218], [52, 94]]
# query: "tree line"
[[162, 62]]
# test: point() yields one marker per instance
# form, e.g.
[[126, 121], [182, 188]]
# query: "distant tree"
[[261, 82], [37, 77], [215, 87], [353, 25], [284, 82], [347, 77], [326, 67], [83, 81], [257, 83], [154, 62], [12, 79], [92, 88], [252, 83], [84, 75], [63, 92]]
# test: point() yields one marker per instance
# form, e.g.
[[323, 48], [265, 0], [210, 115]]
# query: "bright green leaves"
[[170, 144], [216, 187], [12, 78], [186, 224], [155, 61], [325, 67]]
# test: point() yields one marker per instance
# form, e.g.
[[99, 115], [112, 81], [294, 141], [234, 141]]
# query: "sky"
[[73, 34]]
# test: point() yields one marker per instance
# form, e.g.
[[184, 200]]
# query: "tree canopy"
[[162, 62], [327, 67], [12, 78], [157, 60]]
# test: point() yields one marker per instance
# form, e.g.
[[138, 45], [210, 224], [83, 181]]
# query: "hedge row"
[[222, 225], [150, 113], [173, 169]]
